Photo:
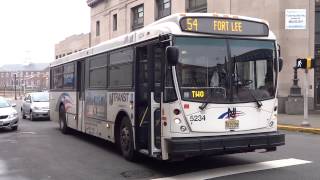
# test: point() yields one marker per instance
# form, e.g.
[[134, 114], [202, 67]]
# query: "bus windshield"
[[226, 70]]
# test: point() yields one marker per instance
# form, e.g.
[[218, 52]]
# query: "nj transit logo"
[[231, 114]]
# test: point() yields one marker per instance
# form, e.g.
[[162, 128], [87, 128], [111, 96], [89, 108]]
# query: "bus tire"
[[62, 120], [126, 143]]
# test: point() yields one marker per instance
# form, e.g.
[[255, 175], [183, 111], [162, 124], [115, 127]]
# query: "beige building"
[[111, 18], [72, 44]]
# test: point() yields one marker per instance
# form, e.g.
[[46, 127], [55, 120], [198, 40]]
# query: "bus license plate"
[[232, 124]]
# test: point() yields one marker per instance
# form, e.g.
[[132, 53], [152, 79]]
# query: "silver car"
[[36, 105], [8, 115]]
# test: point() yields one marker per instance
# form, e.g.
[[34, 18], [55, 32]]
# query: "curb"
[[299, 129]]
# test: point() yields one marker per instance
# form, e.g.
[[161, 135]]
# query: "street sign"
[[306, 63]]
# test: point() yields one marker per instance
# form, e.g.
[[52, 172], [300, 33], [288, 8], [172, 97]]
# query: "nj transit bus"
[[186, 85]]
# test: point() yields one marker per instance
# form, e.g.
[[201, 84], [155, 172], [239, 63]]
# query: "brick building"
[[29, 77]]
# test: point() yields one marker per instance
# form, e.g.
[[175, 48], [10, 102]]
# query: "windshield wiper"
[[203, 106], [259, 104]]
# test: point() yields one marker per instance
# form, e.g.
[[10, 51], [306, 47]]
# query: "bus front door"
[[81, 93], [148, 97]]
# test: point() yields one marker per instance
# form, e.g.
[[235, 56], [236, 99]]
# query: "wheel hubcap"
[[125, 139], [61, 122]]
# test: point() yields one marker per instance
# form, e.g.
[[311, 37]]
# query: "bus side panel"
[[120, 101], [54, 112], [96, 120], [68, 99], [71, 104]]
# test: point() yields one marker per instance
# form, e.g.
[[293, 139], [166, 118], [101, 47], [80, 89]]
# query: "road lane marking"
[[28, 132], [231, 170], [3, 168]]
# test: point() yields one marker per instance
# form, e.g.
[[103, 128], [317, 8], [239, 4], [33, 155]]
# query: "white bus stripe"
[[231, 170]]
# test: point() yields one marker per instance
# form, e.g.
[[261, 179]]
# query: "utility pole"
[[305, 121], [306, 64]]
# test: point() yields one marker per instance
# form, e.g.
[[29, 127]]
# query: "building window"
[[196, 5], [138, 17], [115, 22], [98, 28], [164, 8]]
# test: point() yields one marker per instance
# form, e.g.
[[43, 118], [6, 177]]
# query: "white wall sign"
[[296, 19]]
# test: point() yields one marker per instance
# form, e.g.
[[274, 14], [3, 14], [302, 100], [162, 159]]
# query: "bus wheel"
[[62, 121], [126, 139]]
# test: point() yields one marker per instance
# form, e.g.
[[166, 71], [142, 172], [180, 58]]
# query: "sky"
[[30, 28]]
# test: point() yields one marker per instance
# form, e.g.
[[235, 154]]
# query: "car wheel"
[[14, 128], [62, 121], [126, 140]]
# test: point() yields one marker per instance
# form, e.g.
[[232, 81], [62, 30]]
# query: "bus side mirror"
[[280, 64], [172, 54]]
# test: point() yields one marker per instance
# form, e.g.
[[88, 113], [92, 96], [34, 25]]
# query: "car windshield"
[[225, 70], [40, 97], [4, 103]]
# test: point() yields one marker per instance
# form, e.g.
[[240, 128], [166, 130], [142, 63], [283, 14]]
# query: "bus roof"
[[167, 25]]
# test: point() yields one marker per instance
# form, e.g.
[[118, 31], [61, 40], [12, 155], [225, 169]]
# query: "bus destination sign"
[[223, 26]]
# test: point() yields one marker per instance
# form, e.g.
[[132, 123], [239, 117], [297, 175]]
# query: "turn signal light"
[[176, 111]]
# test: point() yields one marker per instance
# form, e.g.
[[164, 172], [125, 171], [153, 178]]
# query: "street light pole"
[[305, 121]]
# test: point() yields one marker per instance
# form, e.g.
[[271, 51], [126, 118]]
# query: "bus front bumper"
[[188, 147]]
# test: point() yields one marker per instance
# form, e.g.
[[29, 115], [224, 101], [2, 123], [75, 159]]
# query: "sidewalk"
[[293, 122]]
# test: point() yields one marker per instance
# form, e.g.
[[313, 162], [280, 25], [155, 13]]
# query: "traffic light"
[[307, 63]]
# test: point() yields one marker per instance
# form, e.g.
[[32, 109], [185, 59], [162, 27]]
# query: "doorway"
[[148, 97]]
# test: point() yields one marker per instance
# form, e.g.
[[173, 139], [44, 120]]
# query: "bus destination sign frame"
[[223, 26]]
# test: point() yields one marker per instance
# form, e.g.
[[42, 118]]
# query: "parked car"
[[9, 117], [36, 105]]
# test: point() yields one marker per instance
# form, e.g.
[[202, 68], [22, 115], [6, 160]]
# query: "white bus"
[[186, 85]]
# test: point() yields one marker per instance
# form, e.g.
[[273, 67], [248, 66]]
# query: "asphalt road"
[[38, 151]]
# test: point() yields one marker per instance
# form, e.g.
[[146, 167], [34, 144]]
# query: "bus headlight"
[[183, 128], [177, 121], [271, 123]]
